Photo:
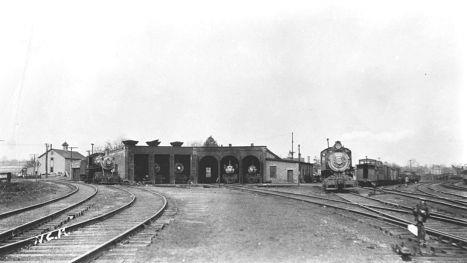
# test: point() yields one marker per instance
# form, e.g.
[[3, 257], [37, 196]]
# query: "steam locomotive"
[[100, 169], [336, 168], [231, 174]]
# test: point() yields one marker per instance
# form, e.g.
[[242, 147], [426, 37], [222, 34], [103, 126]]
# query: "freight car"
[[336, 168], [373, 172], [100, 169], [412, 177]]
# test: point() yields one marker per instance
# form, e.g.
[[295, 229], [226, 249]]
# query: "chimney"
[[308, 157], [65, 146], [252, 144], [230, 145]]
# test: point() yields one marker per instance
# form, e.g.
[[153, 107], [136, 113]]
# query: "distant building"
[[232, 164], [59, 161]]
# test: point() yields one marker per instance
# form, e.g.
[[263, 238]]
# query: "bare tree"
[[210, 142]]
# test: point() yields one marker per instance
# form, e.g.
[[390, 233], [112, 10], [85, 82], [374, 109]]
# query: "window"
[[273, 171]]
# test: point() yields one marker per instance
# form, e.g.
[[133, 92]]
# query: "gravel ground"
[[220, 225], [23, 193]]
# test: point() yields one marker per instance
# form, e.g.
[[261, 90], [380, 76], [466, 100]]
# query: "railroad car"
[[413, 177], [100, 169], [336, 168], [374, 172]]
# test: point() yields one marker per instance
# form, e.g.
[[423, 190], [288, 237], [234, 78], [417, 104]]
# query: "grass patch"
[[24, 191]]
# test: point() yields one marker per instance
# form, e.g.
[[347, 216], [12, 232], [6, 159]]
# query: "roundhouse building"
[[180, 164]]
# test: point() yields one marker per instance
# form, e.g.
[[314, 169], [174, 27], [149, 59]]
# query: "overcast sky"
[[386, 79]]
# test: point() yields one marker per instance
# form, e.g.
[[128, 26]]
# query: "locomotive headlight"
[[252, 169], [229, 169], [179, 168]]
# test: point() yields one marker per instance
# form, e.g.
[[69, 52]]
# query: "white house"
[[58, 161]]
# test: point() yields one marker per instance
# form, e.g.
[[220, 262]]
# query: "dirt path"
[[220, 225]]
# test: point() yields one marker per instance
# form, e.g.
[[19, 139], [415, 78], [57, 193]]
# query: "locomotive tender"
[[336, 168]]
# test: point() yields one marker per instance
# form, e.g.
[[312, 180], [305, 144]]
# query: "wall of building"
[[281, 171], [189, 156], [55, 160]]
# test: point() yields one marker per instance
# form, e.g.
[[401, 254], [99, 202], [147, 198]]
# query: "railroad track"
[[12, 225], [444, 229], [456, 186], [87, 240], [433, 198], [458, 195], [105, 200], [395, 224], [73, 190]]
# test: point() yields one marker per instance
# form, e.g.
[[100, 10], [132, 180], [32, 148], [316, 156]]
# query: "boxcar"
[[371, 171]]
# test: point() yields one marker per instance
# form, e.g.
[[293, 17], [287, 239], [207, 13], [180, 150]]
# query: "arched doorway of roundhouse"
[[251, 170], [229, 170], [208, 170]]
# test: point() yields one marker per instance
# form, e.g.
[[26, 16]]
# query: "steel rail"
[[56, 232], [434, 215], [95, 251], [287, 195], [446, 193], [461, 242], [11, 232], [23, 209], [417, 196], [455, 187]]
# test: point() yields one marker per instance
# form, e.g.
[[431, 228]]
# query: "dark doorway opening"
[[162, 168], [208, 170], [229, 170], [182, 169], [141, 168], [251, 170]]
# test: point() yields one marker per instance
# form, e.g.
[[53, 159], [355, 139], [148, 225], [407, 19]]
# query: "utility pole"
[[299, 170], [292, 152], [46, 160], [71, 160]]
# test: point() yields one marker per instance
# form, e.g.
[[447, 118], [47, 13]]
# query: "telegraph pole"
[[71, 160], [292, 152], [299, 170], [46, 160]]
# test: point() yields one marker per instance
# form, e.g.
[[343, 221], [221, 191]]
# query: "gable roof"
[[66, 154], [271, 155]]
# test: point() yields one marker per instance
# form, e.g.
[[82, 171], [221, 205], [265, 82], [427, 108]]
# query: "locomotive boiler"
[[336, 168]]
